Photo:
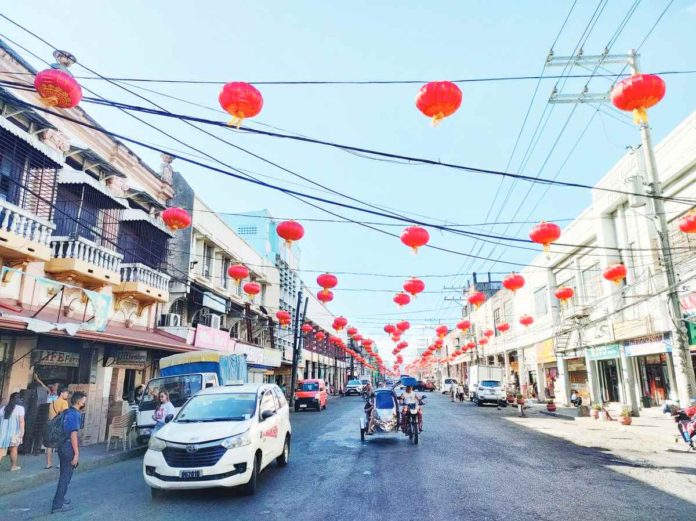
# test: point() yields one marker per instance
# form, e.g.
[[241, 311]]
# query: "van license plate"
[[303, 405], [190, 474]]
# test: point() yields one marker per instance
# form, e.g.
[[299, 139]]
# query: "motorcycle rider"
[[410, 397]]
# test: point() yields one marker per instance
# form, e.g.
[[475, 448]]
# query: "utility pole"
[[296, 345]]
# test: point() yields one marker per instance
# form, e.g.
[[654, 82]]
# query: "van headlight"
[[241, 440], [156, 444]]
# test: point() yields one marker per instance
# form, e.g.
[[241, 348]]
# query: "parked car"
[[222, 437], [490, 391], [447, 384], [311, 394], [425, 385], [354, 387]]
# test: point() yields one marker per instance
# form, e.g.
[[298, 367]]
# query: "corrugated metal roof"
[[69, 176], [135, 214]]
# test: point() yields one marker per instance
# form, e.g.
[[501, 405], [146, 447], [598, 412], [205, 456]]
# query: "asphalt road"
[[470, 464]]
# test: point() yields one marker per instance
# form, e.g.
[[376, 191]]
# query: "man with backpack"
[[68, 449], [55, 407]]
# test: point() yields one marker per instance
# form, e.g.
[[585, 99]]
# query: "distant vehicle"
[[447, 384], [311, 394], [425, 385], [389, 382], [486, 385], [222, 437], [353, 387]]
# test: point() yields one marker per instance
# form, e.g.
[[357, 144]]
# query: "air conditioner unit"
[[211, 320], [170, 320]]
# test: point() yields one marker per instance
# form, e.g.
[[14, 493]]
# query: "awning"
[[34, 142], [136, 191], [135, 214], [68, 176], [92, 159]]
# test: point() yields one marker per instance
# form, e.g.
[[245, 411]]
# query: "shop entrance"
[[654, 379], [609, 378]]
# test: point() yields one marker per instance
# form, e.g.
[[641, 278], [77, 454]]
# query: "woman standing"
[[165, 408], [11, 429]]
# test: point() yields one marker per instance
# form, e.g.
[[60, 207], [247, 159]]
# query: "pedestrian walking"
[[11, 429], [165, 409], [56, 407], [68, 451]]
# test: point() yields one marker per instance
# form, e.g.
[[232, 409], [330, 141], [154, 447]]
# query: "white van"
[[447, 384]]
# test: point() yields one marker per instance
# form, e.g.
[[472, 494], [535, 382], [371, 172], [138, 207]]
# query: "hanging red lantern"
[[439, 343], [526, 320], [283, 317], [307, 328], [438, 100], [176, 218], [513, 282], [564, 293], [251, 289], [545, 233], [464, 325], [637, 94], [352, 331], [238, 272], [396, 337], [290, 231], [339, 323], [687, 223], [476, 299], [401, 299], [319, 336], [442, 331], [402, 345], [240, 100], [58, 88], [357, 337], [327, 281], [471, 345], [414, 286], [368, 343], [483, 341], [389, 329], [615, 273], [403, 326], [325, 296], [488, 332], [415, 237], [503, 327]]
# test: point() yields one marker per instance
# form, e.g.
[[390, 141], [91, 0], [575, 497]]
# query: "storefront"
[[530, 373], [547, 370], [608, 363], [688, 303], [652, 355], [577, 376]]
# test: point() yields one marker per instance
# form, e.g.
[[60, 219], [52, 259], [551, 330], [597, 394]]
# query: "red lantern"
[[325, 296], [357, 337], [352, 331], [526, 320], [327, 281], [439, 343], [290, 231], [401, 299], [251, 289], [637, 94], [283, 317], [414, 286], [488, 333], [402, 345], [545, 233], [176, 218], [464, 325], [396, 337], [241, 100], [415, 237], [339, 323], [483, 341], [471, 345], [503, 327], [389, 329], [513, 282], [58, 88], [476, 299], [442, 331], [564, 293], [438, 99], [368, 343], [403, 326], [238, 272], [307, 328], [319, 336], [615, 273], [687, 224]]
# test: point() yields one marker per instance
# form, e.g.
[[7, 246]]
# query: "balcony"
[[76, 259], [23, 236], [143, 284]]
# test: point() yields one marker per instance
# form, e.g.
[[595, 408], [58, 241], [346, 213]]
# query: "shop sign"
[[57, 358], [130, 358], [688, 303], [648, 345], [544, 352], [603, 352], [271, 357], [573, 353], [211, 338], [254, 355], [576, 365], [214, 302], [691, 334]]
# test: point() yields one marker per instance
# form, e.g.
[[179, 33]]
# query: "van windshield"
[[180, 389], [309, 386], [490, 383]]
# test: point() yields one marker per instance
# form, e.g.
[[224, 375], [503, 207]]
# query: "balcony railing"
[[79, 248], [23, 223], [149, 276]]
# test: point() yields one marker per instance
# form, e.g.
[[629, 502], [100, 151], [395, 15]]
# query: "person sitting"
[[370, 413]]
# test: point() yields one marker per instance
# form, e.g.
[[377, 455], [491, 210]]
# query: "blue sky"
[[376, 40]]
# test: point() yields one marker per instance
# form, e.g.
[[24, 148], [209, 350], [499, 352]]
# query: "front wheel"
[[284, 457], [251, 486]]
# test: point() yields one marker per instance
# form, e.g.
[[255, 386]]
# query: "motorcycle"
[[686, 424], [413, 420]]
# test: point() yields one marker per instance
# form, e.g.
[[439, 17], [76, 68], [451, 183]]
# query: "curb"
[[557, 415], [41, 478]]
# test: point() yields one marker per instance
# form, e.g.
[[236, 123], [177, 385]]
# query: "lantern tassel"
[[640, 116], [437, 118]]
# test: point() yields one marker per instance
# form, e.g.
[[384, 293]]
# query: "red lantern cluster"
[[401, 299], [414, 286], [476, 299], [545, 233], [58, 88], [176, 218], [415, 237], [513, 282], [284, 318], [290, 231], [615, 273], [637, 94], [564, 293], [240, 100], [438, 100], [526, 320]]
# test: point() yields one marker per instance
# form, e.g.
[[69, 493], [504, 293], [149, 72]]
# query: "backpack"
[[53, 433]]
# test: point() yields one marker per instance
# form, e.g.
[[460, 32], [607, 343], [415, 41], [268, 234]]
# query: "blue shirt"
[[71, 423]]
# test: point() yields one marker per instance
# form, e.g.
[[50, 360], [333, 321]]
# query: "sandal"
[[15, 468], [47, 467]]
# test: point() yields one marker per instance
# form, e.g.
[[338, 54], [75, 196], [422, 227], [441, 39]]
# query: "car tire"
[[284, 457], [156, 493], [142, 440], [362, 434], [415, 435], [297, 408], [252, 484], [479, 403]]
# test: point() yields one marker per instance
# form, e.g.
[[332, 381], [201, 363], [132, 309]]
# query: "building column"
[[673, 395], [628, 381], [541, 383], [506, 357], [524, 377], [592, 381], [563, 381]]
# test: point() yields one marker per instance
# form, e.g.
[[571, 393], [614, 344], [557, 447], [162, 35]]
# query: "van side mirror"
[[168, 418], [267, 414]]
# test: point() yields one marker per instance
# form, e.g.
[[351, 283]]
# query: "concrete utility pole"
[[683, 368], [296, 345]]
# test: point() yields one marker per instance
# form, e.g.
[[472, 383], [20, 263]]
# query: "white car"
[[354, 387], [222, 437], [490, 391], [447, 384]]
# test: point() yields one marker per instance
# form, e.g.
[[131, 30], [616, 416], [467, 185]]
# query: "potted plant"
[[520, 399], [550, 406], [510, 398], [596, 407], [625, 416]]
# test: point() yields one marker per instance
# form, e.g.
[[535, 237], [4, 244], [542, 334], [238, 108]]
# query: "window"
[[496, 320], [207, 260], [507, 311], [281, 399], [591, 283], [540, 302], [224, 279], [267, 402], [247, 230]]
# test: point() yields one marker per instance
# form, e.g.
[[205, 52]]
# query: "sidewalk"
[[33, 472]]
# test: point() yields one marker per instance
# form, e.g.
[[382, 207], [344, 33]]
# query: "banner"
[[603, 352], [56, 358], [648, 345]]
